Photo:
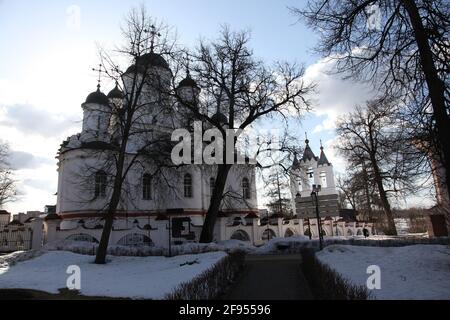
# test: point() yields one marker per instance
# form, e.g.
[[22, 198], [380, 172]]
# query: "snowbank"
[[277, 245], [409, 272], [228, 246], [134, 277]]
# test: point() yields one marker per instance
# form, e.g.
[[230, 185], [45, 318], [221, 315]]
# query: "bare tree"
[[237, 90], [400, 45], [373, 136], [277, 188], [234, 86], [132, 141], [358, 190], [7, 183]]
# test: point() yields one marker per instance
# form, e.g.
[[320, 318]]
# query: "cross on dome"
[[100, 71], [153, 34]]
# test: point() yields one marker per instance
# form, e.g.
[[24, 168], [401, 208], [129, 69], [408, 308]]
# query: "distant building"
[[5, 217], [22, 217]]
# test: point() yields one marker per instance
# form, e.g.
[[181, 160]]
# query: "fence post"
[[36, 233], [51, 224]]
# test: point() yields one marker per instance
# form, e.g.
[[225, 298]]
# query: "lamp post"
[[314, 193]]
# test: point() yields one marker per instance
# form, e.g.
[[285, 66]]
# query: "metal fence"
[[15, 239]]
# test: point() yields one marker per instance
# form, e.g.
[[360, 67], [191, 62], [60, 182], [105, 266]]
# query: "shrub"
[[212, 283], [326, 284]]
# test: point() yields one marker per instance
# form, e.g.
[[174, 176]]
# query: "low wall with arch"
[[256, 233], [153, 232]]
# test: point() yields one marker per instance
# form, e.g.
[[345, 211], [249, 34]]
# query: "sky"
[[50, 47]]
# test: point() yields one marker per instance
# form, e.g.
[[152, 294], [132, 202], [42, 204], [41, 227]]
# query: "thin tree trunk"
[[280, 208], [384, 200], [100, 257], [211, 215], [435, 86], [366, 191]]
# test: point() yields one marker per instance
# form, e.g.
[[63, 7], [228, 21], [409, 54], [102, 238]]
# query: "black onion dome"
[[115, 93], [220, 118], [153, 59], [188, 82], [97, 97], [150, 59]]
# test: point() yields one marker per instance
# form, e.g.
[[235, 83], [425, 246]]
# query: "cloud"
[[24, 160], [46, 185], [30, 120], [334, 95]]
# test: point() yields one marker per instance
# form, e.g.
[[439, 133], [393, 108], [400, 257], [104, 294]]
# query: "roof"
[[308, 154], [97, 97], [188, 82], [220, 118], [323, 158], [4, 212], [115, 93], [147, 60], [295, 163]]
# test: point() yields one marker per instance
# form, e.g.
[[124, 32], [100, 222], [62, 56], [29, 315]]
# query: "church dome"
[[220, 118], [188, 82], [153, 59], [97, 97], [150, 59], [115, 93]]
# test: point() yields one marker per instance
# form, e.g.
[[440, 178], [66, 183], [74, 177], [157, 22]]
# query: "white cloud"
[[334, 95], [25, 160], [30, 120]]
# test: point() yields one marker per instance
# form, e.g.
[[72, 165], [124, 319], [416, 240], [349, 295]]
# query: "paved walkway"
[[271, 277]]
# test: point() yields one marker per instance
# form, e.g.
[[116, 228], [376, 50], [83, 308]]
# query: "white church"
[[155, 212]]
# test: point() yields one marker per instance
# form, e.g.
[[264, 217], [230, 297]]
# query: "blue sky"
[[46, 61]]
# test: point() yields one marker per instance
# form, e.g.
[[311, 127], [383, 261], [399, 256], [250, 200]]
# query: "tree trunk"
[[384, 200], [367, 193], [100, 257], [436, 87], [211, 215]]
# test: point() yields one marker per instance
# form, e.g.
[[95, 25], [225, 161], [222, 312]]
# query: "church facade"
[[159, 206], [149, 194]]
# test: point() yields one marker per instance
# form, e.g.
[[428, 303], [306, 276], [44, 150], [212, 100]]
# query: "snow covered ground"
[[134, 277], [410, 272]]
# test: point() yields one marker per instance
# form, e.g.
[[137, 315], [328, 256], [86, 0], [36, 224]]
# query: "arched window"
[[212, 183], [310, 173], [100, 184], [245, 188], [188, 185], [146, 186], [323, 179]]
